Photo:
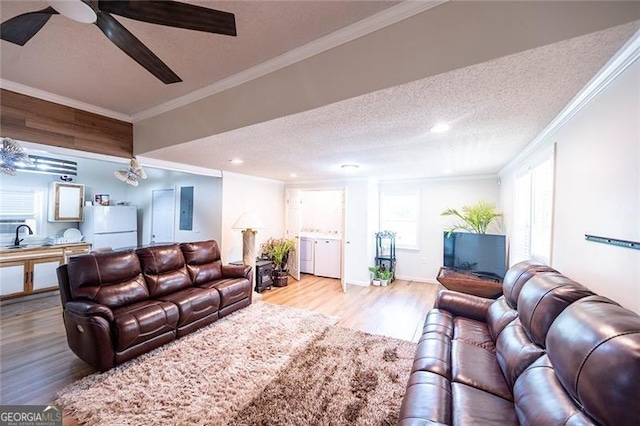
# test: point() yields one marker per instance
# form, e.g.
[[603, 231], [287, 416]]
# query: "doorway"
[[316, 219], [162, 216]]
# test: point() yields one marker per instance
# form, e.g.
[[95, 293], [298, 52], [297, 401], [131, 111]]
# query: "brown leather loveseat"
[[118, 305], [548, 352]]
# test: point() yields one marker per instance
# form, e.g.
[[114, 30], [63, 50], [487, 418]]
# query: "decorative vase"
[[280, 278]]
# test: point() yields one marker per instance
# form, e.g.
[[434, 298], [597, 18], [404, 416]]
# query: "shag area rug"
[[265, 364]]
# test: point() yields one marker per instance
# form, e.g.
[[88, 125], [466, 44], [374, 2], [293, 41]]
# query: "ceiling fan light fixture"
[[131, 175], [77, 10]]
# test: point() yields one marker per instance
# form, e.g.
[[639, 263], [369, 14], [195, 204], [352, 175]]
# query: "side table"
[[263, 279]]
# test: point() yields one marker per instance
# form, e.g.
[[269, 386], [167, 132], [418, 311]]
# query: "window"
[[533, 212], [20, 207], [399, 213]]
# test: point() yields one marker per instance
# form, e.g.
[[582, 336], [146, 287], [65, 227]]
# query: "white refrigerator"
[[110, 226]]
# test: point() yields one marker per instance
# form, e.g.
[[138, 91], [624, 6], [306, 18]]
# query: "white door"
[[162, 216], [345, 242], [292, 229]]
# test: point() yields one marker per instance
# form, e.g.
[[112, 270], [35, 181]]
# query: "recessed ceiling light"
[[293, 175], [440, 128], [349, 167], [447, 171], [236, 161]]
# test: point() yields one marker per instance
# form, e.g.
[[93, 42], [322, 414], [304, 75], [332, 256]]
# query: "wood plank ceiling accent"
[[31, 119]]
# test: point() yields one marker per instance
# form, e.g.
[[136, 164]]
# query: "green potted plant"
[[475, 218], [277, 250], [375, 275], [385, 277]]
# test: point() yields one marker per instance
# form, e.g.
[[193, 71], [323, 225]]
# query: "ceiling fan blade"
[[133, 47], [22, 28], [174, 14]]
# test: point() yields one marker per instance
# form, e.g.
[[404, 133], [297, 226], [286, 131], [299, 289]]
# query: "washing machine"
[[307, 250]]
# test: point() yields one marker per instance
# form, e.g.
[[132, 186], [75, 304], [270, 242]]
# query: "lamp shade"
[[248, 220]]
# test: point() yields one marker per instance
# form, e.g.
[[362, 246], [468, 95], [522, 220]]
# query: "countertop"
[[320, 236], [30, 249]]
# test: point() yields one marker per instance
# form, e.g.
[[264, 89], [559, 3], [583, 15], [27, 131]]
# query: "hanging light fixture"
[[12, 156], [130, 176]]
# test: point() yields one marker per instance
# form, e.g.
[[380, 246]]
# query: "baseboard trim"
[[417, 279]]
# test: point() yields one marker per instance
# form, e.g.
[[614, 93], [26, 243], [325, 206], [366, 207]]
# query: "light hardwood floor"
[[35, 361]]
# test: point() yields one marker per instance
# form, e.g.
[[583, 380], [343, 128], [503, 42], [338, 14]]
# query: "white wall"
[[597, 191], [264, 197], [321, 211], [207, 204], [435, 197]]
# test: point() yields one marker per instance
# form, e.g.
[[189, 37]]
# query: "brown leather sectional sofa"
[[118, 305], [548, 352]]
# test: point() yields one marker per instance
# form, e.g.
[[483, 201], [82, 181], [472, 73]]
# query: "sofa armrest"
[[236, 271], [463, 304], [86, 308]]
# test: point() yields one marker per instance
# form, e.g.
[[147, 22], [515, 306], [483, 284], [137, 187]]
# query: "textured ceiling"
[[77, 61], [495, 109]]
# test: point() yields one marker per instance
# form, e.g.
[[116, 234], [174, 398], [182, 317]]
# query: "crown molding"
[[627, 55], [51, 97], [438, 179], [361, 28], [250, 177], [177, 167]]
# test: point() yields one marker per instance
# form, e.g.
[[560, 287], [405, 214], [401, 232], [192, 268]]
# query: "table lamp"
[[248, 222]]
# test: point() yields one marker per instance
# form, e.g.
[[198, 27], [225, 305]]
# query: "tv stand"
[[470, 283]]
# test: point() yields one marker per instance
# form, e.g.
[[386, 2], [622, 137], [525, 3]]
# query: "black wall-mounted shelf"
[[613, 241]]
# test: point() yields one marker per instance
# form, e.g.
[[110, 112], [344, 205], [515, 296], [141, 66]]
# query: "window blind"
[[17, 204]]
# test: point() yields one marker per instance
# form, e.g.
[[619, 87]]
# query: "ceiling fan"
[[22, 28]]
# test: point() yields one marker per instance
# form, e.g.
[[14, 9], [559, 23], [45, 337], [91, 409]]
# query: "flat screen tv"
[[483, 255]]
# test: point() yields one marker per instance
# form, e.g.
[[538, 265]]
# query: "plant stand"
[[386, 252]]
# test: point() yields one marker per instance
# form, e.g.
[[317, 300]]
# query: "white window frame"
[[533, 209], [35, 219], [387, 217]]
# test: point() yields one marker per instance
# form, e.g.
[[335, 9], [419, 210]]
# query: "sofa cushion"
[[164, 269], [438, 321], [498, 316], [478, 367], [427, 400], [231, 290], [433, 353], [193, 303], [517, 276], [137, 323], [594, 347], [542, 300], [515, 351], [472, 406], [112, 279], [540, 399], [473, 332], [203, 261]]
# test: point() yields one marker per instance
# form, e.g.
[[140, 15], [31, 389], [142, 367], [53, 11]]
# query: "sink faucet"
[[18, 239]]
